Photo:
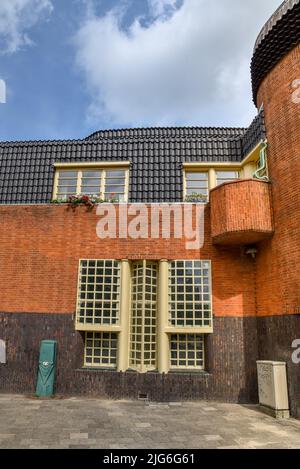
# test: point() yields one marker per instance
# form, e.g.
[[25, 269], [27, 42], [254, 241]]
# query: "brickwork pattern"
[[231, 354], [241, 212], [278, 262], [41, 247]]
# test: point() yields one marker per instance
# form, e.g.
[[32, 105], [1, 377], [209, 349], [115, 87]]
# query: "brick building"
[[151, 315]]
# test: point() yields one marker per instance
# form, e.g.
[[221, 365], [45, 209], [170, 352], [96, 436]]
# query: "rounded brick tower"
[[276, 86]]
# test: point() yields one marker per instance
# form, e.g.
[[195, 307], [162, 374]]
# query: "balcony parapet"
[[241, 212]]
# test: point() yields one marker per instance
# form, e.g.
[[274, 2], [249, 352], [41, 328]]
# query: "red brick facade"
[[241, 212], [278, 262], [41, 247]]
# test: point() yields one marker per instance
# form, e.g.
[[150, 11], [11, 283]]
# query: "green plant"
[[196, 198], [89, 201]]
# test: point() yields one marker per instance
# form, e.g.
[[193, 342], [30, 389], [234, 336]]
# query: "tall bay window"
[[144, 315]]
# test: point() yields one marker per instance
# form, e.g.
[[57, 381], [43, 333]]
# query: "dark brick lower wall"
[[275, 337], [231, 356]]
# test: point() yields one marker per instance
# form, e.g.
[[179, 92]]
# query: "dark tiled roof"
[[168, 132], [254, 134], [279, 35], [156, 156]]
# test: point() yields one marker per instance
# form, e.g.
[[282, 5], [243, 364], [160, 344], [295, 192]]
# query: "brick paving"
[[92, 423]]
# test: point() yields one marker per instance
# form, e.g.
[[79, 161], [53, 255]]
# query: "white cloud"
[[161, 7], [17, 17], [191, 67]]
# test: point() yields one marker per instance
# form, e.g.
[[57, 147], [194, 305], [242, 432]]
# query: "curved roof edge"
[[280, 34], [273, 20]]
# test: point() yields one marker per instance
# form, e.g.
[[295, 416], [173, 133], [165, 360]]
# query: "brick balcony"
[[241, 212]]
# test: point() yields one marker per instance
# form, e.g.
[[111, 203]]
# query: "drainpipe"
[[261, 171]]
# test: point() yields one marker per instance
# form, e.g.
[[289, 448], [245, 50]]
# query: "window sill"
[[190, 372], [94, 368], [202, 373]]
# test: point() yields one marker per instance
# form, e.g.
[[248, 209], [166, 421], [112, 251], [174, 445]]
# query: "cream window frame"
[[112, 338], [143, 305], [246, 168], [204, 329], [101, 166], [122, 330], [199, 170], [224, 180], [212, 176], [179, 349], [97, 326]]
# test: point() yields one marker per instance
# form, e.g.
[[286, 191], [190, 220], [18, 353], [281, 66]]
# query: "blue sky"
[[74, 66]]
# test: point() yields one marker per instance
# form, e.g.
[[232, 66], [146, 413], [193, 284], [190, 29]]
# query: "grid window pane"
[[197, 184], [98, 182], [98, 298], [115, 182], [226, 176], [100, 349], [91, 182], [190, 294], [67, 184], [143, 316], [187, 351]]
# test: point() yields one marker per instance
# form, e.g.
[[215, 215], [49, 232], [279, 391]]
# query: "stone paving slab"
[[93, 423]]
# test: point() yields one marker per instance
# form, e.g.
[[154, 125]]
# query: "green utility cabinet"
[[47, 369]]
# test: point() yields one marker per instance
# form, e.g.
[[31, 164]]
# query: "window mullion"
[[79, 181], [103, 180], [162, 318], [56, 181], [125, 292], [211, 179], [143, 367]]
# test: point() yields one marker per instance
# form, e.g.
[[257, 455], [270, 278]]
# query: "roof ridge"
[[32, 143], [39, 142], [162, 131], [89, 139]]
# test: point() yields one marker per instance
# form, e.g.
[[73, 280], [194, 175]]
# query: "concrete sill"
[[85, 368], [203, 374]]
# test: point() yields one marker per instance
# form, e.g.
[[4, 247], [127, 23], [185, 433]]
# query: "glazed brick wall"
[[278, 262], [275, 335], [241, 212], [231, 368], [41, 247]]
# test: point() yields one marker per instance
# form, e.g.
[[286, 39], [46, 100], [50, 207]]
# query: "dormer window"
[[105, 182]]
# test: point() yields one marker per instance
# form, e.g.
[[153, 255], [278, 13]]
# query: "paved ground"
[[92, 423]]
